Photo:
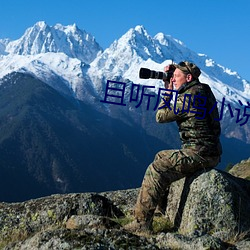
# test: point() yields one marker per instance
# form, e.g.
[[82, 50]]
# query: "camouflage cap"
[[189, 68]]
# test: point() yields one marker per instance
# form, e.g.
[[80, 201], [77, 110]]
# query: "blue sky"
[[218, 28]]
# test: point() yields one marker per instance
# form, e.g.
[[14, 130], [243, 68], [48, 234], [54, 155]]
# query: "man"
[[196, 114]]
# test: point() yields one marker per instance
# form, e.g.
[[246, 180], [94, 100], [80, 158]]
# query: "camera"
[[145, 73]]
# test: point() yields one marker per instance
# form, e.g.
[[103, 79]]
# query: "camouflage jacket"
[[195, 111]]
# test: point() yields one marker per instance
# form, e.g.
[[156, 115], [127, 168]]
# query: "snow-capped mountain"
[[71, 61], [70, 40], [57, 55], [64, 73], [48, 139], [137, 49], [74, 55]]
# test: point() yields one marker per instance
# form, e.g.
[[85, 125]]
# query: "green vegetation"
[[160, 223]]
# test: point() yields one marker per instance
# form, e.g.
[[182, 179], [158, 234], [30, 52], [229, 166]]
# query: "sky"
[[217, 28]]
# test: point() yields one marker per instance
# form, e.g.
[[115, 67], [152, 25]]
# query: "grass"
[[160, 223], [123, 220]]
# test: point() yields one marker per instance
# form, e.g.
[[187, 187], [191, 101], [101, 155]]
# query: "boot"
[[137, 226]]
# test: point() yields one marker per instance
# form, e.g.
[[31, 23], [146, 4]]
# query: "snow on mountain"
[[73, 56], [42, 38], [133, 48], [137, 49], [63, 73], [57, 55]]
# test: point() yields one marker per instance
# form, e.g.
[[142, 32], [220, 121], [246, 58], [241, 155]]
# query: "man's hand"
[[168, 85]]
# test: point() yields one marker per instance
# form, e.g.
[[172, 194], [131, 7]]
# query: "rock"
[[243, 245], [241, 169], [212, 202], [123, 199], [85, 239], [20, 220], [90, 221], [178, 241], [209, 210]]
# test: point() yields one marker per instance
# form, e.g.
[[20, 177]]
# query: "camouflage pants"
[[167, 167]]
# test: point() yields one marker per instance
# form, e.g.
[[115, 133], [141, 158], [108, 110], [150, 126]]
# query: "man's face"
[[179, 78]]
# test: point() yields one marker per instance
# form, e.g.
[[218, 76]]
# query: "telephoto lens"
[[145, 73]]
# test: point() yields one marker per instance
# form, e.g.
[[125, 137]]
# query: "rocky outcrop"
[[209, 210], [211, 202], [241, 169]]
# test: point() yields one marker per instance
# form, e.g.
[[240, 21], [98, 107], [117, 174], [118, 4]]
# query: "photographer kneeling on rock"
[[199, 130]]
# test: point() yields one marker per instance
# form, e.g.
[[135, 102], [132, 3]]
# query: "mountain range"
[[57, 136]]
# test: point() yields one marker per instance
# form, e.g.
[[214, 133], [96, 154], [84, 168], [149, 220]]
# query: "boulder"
[[19, 221], [209, 210], [210, 202]]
